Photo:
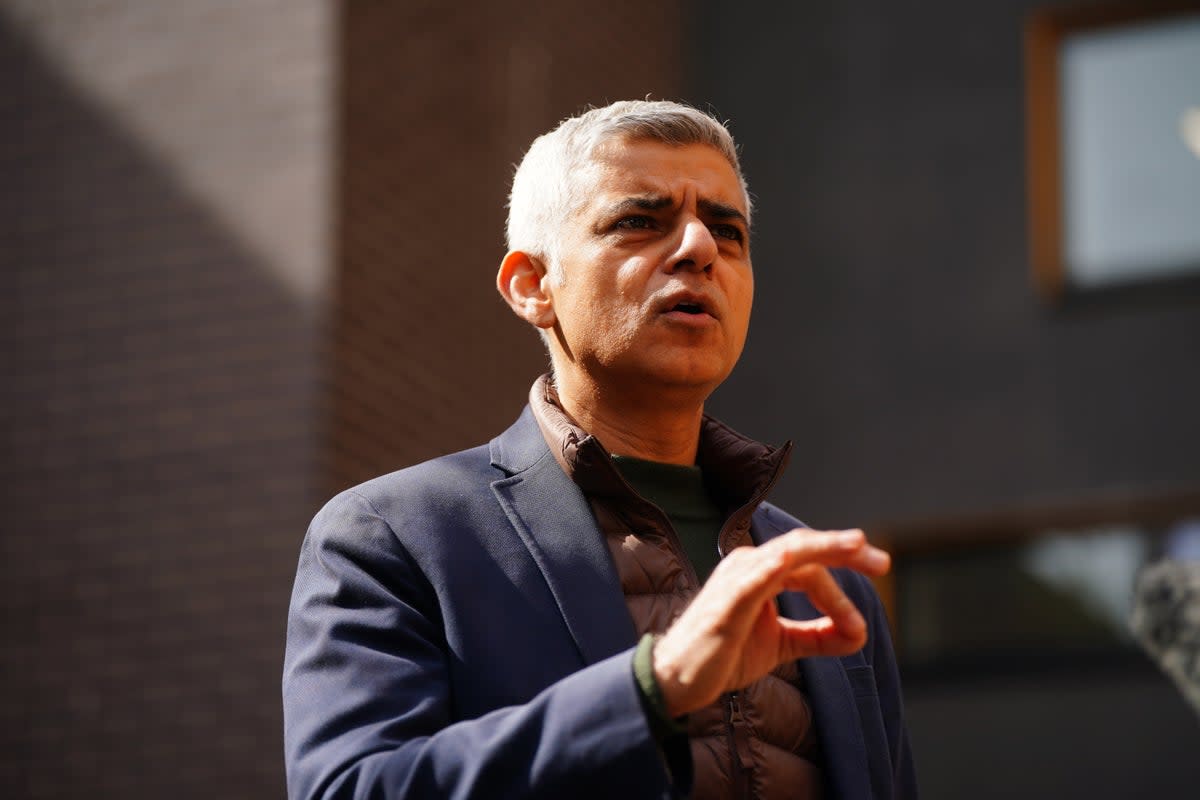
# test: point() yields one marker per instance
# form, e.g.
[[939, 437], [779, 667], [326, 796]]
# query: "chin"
[[682, 374]]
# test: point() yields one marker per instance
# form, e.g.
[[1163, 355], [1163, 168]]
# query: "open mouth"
[[684, 305]]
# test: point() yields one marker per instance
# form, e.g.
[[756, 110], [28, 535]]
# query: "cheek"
[[742, 296]]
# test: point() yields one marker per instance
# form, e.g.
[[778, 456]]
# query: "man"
[[536, 617]]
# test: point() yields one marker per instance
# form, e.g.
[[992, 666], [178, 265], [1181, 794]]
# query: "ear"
[[523, 282]]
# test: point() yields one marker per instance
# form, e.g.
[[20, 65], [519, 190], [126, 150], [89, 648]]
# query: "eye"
[[730, 232], [634, 223]]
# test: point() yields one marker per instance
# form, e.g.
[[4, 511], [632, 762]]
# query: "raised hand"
[[732, 633]]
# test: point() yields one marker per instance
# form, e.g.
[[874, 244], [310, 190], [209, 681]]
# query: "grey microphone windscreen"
[[1166, 621]]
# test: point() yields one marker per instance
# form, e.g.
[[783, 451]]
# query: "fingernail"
[[876, 559]]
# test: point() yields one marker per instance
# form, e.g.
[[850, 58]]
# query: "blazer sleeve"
[[368, 707]]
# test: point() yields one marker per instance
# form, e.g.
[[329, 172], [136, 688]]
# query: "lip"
[[708, 308]]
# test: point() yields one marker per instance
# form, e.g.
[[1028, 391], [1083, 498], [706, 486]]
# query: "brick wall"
[[158, 368]]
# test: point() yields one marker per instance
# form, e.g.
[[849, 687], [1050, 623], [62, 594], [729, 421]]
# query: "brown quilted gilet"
[[756, 743]]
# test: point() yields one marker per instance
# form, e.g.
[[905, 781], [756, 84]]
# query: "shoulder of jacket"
[[773, 520], [438, 482]]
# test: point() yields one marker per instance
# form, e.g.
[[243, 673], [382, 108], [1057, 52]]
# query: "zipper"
[[738, 734], [737, 728]]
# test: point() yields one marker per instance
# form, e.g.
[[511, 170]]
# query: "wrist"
[[663, 723], [667, 678]]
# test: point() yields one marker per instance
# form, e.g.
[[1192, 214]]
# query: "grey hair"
[[544, 192]]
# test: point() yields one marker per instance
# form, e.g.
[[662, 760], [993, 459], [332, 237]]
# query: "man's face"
[[656, 284]]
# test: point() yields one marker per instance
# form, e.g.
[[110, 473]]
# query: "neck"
[[659, 425]]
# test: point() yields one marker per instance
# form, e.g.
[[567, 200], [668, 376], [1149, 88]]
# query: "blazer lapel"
[[553, 519], [835, 711]]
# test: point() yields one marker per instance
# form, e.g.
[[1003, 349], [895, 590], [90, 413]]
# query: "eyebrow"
[[711, 208], [721, 211]]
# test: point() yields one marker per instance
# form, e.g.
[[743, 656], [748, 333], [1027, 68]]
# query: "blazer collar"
[[518, 448]]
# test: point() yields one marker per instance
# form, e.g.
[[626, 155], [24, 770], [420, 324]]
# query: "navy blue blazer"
[[457, 630]]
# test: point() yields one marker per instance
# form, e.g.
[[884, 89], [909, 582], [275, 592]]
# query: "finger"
[[827, 596], [816, 637], [751, 574], [743, 584], [747, 576], [840, 632], [832, 548]]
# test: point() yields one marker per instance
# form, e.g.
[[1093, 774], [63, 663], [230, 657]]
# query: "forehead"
[[623, 167]]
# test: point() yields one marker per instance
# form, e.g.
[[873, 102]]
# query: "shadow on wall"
[[158, 466]]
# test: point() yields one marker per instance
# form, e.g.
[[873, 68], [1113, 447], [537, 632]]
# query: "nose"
[[697, 248]]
